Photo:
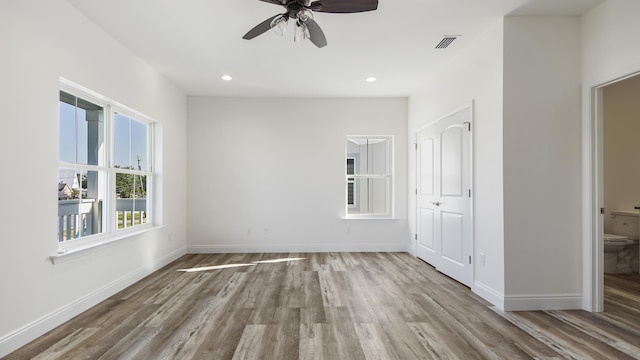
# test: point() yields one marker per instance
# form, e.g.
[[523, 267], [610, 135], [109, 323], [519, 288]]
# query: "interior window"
[[368, 176]]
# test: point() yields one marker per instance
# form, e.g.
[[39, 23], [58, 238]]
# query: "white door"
[[444, 195]]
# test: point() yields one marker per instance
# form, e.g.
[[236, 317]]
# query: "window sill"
[[76, 251], [370, 217]]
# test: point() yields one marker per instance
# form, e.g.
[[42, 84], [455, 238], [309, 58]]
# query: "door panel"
[[452, 237], [428, 153], [444, 195], [426, 167], [451, 144], [427, 229]]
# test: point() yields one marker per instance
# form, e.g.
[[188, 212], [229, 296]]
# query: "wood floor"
[[331, 306]]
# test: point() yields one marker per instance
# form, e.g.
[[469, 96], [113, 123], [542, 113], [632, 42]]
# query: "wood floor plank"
[[331, 306], [131, 344], [281, 340], [566, 340], [224, 337], [64, 347], [187, 322], [312, 306], [375, 344], [251, 343], [310, 341]]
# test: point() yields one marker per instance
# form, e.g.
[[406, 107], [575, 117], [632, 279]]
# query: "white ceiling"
[[194, 42]]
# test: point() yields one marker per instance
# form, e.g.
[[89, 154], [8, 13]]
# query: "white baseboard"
[[29, 332], [543, 302], [303, 248], [528, 302], [489, 294]]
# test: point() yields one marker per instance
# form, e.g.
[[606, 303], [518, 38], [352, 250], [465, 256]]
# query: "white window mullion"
[[112, 219]]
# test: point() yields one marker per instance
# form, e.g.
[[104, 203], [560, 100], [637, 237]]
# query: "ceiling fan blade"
[[316, 34], [347, 6], [275, 2], [260, 29], [315, 6]]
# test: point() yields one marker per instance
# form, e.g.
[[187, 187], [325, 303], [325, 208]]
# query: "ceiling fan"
[[302, 12]]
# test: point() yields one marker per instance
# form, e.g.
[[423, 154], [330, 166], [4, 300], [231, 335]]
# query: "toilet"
[[620, 241]]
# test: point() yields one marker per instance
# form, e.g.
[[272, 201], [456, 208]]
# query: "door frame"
[[593, 179], [470, 106]]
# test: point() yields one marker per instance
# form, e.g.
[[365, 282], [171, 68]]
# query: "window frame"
[[388, 175], [118, 109], [110, 231], [351, 181]]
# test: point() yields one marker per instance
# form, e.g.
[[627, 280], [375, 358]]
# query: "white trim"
[[369, 217], [390, 175], [450, 113], [20, 337], [72, 248], [542, 302], [73, 88], [469, 105], [87, 247], [494, 297], [310, 248], [593, 195]]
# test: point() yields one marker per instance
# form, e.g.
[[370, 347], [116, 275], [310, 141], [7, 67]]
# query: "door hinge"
[[416, 146], [469, 259], [416, 236], [416, 191], [469, 192], [602, 211], [468, 125]]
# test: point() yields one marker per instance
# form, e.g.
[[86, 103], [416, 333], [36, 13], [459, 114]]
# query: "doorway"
[[443, 194], [599, 206]]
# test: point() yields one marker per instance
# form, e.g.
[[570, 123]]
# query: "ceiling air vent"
[[446, 41]]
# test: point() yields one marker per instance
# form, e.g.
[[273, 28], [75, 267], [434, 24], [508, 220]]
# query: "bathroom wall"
[[621, 127]]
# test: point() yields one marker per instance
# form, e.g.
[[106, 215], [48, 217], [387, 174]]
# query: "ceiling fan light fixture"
[[302, 32], [305, 26], [279, 25], [305, 15]]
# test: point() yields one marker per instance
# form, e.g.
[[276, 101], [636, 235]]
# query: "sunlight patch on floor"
[[253, 263]]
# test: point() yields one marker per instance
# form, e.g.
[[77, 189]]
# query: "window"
[[104, 174], [82, 174], [131, 167], [369, 176]]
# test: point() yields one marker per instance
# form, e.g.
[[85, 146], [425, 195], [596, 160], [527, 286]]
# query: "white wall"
[[610, 50], [621, 147], [610, 47], [268, 174], [542, 153], [475, 75], [40, 41]]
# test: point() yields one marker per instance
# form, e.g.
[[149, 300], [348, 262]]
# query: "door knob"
[[437, 203]]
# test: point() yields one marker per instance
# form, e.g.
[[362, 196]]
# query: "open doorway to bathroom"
[[617, 189]]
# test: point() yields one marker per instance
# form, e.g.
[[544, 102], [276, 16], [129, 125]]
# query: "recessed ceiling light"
[[371, 79], [226, 78]]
